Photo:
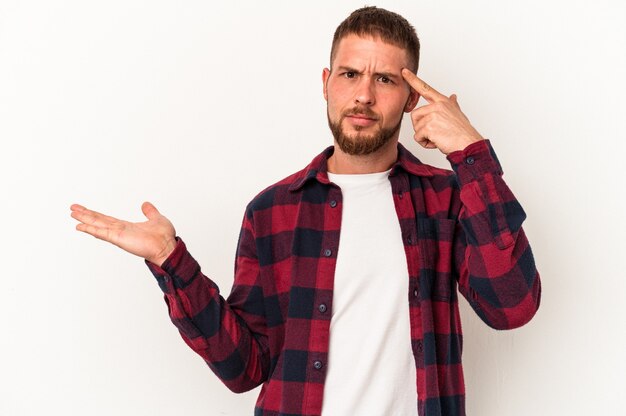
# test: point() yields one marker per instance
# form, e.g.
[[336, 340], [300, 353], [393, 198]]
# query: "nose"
[[364, 93]]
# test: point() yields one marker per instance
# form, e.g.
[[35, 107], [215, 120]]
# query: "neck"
[[379, 161]]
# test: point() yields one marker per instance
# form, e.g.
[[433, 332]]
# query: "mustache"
[[361, 111]]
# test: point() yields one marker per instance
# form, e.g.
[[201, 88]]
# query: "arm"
[[231, 340], [494, 263]]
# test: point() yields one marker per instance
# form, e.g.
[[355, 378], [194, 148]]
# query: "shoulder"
[[279, 193], [286, 190]]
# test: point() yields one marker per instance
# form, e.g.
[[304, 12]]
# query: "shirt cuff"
[[177, 271], [474, 161]]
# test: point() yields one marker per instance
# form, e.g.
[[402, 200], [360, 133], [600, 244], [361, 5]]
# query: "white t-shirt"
[[371, 368]]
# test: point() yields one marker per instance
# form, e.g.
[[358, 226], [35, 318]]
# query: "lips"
[[361, 119], [361, 116]]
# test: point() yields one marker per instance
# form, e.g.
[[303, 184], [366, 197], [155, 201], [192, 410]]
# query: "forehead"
[[367, 50]]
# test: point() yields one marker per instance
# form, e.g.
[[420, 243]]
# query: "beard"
[[361, 144]]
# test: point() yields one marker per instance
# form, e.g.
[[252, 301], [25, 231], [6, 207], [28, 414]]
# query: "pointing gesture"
[[439, 124], [153, 240]]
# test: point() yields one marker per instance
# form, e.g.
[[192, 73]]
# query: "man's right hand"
[[154, 240]]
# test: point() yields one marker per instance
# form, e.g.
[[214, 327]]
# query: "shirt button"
[[317, 365], [470, 160], [166, 279], [415, 292], [409, 240], [322, 308], [333, 203], [327, 252], [400, 196]]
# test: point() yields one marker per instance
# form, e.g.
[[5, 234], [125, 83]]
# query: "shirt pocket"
[[436, 239]]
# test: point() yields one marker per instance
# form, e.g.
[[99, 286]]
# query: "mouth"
[[361, 120]]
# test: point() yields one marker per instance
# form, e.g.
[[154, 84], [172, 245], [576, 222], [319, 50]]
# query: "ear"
[[325, 76], [412, 101]]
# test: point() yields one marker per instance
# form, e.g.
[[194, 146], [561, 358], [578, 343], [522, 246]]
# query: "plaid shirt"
[[461, 228]]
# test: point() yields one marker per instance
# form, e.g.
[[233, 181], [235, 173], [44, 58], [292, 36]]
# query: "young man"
[[345, 293]]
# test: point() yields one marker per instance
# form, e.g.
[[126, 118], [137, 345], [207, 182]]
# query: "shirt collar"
[[318, 168]]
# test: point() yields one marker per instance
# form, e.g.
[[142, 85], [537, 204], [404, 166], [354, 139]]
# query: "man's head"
[[364, 88]]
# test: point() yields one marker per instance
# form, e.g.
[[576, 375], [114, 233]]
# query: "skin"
[[440, 124], [154, 239], [367, 73]]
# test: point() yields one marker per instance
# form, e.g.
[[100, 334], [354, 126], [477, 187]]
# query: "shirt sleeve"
[[495, 265], [230, 335]]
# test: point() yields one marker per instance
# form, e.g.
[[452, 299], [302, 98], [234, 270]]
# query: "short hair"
[[390, 27]]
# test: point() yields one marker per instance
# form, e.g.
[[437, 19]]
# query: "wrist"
[[164, 254], [466, 142], [460, 144]]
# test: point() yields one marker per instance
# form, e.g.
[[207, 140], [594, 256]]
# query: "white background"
[[198, 106]]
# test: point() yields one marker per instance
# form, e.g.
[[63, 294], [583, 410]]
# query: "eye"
[[349, 74], [384, 79]]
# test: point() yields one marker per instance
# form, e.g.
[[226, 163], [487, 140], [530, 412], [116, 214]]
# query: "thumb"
[[455, 100], [149, 210]]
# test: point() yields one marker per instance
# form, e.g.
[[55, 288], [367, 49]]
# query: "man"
[[344, 300]]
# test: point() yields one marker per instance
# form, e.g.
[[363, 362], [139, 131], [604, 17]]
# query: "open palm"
[[154, 239]]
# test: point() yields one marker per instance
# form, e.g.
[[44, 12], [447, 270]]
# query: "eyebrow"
[[384, 74]]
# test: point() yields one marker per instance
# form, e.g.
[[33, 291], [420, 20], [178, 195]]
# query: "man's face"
[[366, 94]]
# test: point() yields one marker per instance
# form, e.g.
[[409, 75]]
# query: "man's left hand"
[[439, 124]]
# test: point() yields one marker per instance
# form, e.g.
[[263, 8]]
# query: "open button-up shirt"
[[461, 231]]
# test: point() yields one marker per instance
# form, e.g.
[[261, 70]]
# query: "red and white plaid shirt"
[[461, 229]]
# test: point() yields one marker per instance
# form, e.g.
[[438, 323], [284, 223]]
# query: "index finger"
[[422, 88]]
